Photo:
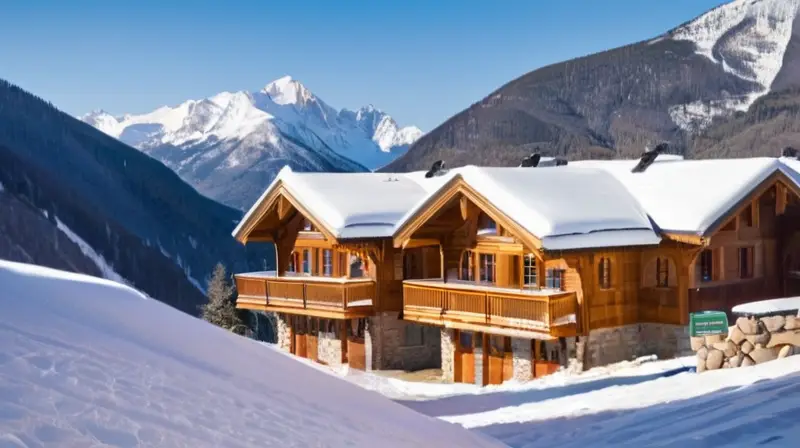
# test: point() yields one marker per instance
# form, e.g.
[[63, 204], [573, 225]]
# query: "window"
[[529, 274], [307, 261], [487, 268], [467, 269], [307, 225], [486, 225], [409, 262], [745, 262], [327, 262], [706, 265], [604, 273], [414, 335], [465, 339], [358, 328], [553, 278], [662, 272], [357, 267], [746, 218], [293, 262]]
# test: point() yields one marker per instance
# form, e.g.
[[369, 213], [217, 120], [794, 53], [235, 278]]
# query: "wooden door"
[[496, 353], [508, 360], [356, 347], [465, 358], [300, 337], [312, 342]]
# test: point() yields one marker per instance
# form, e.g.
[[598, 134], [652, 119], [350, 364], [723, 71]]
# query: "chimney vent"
[[649, 157]]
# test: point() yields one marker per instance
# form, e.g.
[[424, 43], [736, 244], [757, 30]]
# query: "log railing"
[[490, 306], [304, 293]]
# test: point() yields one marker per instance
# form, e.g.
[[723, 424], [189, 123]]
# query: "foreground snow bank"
[[86, 361]]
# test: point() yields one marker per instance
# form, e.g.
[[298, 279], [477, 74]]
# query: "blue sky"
[[421, 61]]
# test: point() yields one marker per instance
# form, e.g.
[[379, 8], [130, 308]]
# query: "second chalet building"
[[500, 273]]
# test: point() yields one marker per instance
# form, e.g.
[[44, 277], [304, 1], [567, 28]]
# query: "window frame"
[[706, 266], [604, 273], [554, 278], [530, 271], [487, 268], [468, 257], [307, 262], [746, 262], [662, 262], [327, 263]]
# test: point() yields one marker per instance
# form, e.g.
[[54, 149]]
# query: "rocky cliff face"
[[689, 86]]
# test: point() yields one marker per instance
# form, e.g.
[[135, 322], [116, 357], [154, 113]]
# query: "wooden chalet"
[[500, 273]]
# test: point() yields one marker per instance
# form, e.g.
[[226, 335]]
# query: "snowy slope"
[[209, 141], [747, 38], [89, 362]]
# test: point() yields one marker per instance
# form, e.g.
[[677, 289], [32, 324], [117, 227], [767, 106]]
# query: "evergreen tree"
[[220, 309]]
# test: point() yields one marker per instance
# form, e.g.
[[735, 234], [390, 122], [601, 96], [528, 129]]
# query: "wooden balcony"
[[539, 314], [335, 298]]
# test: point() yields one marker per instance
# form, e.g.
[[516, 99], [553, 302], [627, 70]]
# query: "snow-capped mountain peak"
[[287, 90], [748, 39], [282, 123]]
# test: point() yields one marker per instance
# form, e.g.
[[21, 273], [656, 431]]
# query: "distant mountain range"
[[724, 84], [76, 199], [231, 145]]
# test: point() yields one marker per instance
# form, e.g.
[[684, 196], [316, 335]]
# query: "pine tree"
[[220, 309]]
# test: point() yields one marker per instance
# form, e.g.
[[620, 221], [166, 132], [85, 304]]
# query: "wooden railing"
[[305, 293], [490, 306]]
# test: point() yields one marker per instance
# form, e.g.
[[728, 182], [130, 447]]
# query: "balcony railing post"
[[305, 295], [266, 291]]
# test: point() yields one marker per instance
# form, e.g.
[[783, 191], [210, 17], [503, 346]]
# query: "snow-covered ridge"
[[748, 38], [284, 107]]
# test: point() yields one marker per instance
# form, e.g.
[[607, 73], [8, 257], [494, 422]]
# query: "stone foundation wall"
[[385, 339], [523, 359], [448, 347], [329, 346], [751, 341], [284, 331], [610, 345]]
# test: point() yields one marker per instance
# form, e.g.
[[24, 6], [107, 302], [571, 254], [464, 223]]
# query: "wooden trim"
[[281, 198], [773, 180], [687, 238], [420, 242], [450, 191]]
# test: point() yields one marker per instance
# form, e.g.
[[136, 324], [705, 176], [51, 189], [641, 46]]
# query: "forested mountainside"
[[698, 87], [66, 183], [231, 145]]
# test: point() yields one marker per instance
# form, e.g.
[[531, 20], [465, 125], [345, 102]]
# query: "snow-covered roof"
[[565, 207], [689, 196], [350, 205], [582, 205], [788, 304]]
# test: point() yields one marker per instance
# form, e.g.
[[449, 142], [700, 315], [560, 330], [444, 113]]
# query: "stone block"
[[785, 337], [785, 351], [697, 342], [747, 347], [714, 359], [758, 339], [747, 362], [762, 355], [773, 323], [727, 347], [522, 360], [448, 345], [736, 335], [701, 365], [792, 323], [702, 353], [736, 361], [748, 326], [713, 339]]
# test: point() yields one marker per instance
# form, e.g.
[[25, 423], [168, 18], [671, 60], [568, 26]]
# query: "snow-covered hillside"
[[747, 38], [89, 362], [210, 141]]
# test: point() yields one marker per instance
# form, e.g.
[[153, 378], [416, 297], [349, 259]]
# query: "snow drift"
[[86, 361]]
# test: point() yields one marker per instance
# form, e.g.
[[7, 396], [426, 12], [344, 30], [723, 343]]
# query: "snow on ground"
[[640, 403], [88, 362]]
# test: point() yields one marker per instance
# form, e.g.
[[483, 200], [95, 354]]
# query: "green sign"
[[708, 323]]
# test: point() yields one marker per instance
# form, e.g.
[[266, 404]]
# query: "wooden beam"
[[284, 207], [420, 242]]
